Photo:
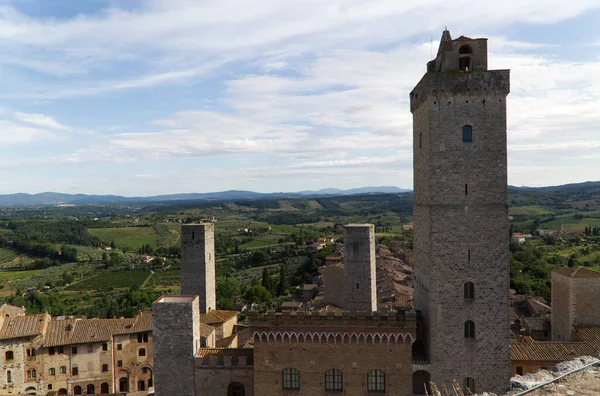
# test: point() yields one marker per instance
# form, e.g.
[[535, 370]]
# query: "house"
[[335, 259], [517, 237], [309, 291]]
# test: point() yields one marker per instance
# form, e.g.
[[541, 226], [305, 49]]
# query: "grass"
[[165, 278], [571, 223], [106, 280], [127, 237], [534, 210], [12, 275], [167, 234]]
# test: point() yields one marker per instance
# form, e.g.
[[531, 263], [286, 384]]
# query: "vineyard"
[[109, 280], [166, 235]]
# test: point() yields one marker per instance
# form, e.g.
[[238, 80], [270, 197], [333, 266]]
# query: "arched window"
[[465, 58], [141, 385], [123, 384], [469, 385], [421, 385], [469, 329], [104, 388], [467, 133], [469, 291], [52, 371], [150, 383], [333, 380], [91, 389], [142, 352], [31, 374], [236, 389], [376, 380], [290, 378], [8, 376], [9, 355], [77, 390]]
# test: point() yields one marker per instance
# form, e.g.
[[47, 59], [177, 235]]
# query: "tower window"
[[469, 255], [465, 58], [357, 286], [467, 133], [469, 386], [466, 189], [469, 291], [469, 329], [420, 139]]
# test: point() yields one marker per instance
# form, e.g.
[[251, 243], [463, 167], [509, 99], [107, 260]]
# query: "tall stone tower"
[[176, 334], [461, 215], [198, 263], [359, 268]]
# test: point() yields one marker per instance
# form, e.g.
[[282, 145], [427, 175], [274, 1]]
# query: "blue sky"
[[144, 97]]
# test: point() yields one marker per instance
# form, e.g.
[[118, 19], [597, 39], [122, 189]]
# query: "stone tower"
[[461, 215], [359, 268], [176, 334], [198, 263]]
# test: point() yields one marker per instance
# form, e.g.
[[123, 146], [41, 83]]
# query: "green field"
[[127, 237], [571, 223], [165, 278], [533, 210], [12, 275], [107, 280]]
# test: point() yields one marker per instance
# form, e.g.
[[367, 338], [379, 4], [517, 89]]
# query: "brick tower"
[[359, 268], [461, 215], [198, 263]]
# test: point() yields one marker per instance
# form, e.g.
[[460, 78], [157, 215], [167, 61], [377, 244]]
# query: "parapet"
[[400, 319], [445, 85]]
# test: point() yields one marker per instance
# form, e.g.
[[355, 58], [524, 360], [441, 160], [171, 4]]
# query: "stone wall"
[[461, 224], [176, 330], [198, 263], [359, 268], [216, 380], [333, 280], [562, 307]]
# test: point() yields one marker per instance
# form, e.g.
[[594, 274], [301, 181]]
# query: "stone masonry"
[[176, 330], [461, 215], [198, 263], [359, 268]]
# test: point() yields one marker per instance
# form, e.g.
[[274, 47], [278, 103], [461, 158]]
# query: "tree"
[[266, 280], [112, 245], [282, 285]]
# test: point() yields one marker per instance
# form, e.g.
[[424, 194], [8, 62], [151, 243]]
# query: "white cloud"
[[40, 120], [13, 134]]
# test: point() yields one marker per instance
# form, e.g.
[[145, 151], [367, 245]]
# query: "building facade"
[[461, 215]]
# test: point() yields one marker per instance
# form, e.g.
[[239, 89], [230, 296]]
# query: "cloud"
[[13, 134], [40, 120]]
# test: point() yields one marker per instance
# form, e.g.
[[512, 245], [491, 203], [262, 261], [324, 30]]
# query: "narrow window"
[[52, 371], [105, 346], [8, 376], [49, 386], [469, 329], [119, 363], [63, 369], [193, 234], [30, 352], [467, 133], [145, 337], [333, 380], [519, 370], [51, 351], [357, 286], [9, 355], [91, 389], [469, 255], [74, 350], [469, 386], [119, 347], [466, 189], [141, 385], [75, 371], [104, 368], [290, 378], [61, 349], [376, 380], [420, 139], [142, 352], [469, 291]]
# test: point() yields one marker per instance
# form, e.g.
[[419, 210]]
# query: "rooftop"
[[176, 299], [24, 326], [217, 316], [220, 353], [578, 272], [550, 351]]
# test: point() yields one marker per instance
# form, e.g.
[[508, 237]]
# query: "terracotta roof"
[[537, 323], [142, 322], [226, 342], [591, 335], [220, 353], [578, 272], [206, 330], [551, 351], [217, 316], [98, 330], [59, 332], [24, 326]]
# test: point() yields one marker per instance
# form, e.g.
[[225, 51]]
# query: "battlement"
[[474, 84], [401, 319]]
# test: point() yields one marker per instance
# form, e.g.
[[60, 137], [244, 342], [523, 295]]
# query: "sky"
[[146, 97]]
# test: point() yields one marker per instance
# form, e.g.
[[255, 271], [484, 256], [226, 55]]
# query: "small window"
[[9, 355], [31, 374], [469, 291], [9, 376], [145, 370], [77, 390], [376, 380], [469, 329], [52, 371], [49, 386], [104, 368], [291, 378], [119, 363], [469, 255], [74, 350], [51, 351], [63, 369], [105, 346], [61, 349], [466, 189], [142, 352], [142, 337], [119, 347], [465, 58], [467, 131], [333, 380], [141, 385], [519, 370], [104, 388], [469, 386], [420, 139], [91, 389], [357, 286], [75, 371]]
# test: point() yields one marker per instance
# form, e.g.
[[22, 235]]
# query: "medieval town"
[[372, 323]]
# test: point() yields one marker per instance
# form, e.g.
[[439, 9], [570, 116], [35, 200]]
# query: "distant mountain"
[[572, 187], [52, 198]]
